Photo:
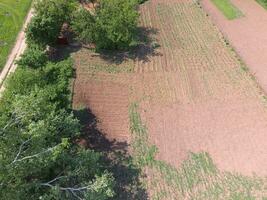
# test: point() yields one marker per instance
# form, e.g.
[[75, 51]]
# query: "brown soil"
[[105, 94], [195, 95]]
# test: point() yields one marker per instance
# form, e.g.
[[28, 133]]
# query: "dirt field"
[[201, 98], [194, 93]]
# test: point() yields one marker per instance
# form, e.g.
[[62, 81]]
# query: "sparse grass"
[[112, 69], [228, 9], [197, 178], [93, 63], [12, 15]]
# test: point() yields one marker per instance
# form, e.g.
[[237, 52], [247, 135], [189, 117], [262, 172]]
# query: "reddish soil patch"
[[198, 96], [105, 94]]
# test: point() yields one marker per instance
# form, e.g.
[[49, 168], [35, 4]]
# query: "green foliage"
[[54, 77], [227, 8], [263, 3], [141, 1], [38, 159], [84, 25], [113, 25], [50, 15], [33, 57]]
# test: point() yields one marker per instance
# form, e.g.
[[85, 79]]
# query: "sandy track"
[[247, 34], [16, 52]]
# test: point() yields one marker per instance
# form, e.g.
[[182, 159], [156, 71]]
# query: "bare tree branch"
[[72, 190], [20, 150], [35, 155], [49, 182], [11, 122]]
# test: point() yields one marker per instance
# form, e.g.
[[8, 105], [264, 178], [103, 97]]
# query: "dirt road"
[[17, 50], [247, 34]]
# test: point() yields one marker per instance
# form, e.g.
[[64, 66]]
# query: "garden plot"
[[194, 95], [199, 95]]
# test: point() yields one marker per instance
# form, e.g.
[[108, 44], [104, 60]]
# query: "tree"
[[113, 25], [38, 159], [84, 25], [50, 15]]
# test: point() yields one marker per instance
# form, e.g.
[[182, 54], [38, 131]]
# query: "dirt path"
[[17, 50], [248, 34]]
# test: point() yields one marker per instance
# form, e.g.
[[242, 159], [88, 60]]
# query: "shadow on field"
[[147, 47], [116, 156]]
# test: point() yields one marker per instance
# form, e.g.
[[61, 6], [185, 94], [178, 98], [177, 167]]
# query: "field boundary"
[[17, 50]]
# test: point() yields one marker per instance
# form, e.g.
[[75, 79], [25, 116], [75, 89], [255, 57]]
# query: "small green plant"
[[228, 9]]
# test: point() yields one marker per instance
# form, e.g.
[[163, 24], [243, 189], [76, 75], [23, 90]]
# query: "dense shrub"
[[33, 57], [46, 25], [38, 159]]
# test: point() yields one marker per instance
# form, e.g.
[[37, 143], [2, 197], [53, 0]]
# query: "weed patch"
[[228, 9]]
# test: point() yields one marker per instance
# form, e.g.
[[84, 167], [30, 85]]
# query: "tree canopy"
[[49, 17], [113, 24]]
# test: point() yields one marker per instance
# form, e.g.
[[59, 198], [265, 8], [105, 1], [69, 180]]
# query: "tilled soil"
[[195, 94], [201, 97]]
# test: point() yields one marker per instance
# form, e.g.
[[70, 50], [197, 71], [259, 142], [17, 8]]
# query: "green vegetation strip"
[[197, 177], [228, 9], [263, 3], [12, 15]]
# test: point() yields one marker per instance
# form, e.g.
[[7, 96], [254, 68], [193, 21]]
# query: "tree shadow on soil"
[[62, 52], [116, 156], [145, 49]]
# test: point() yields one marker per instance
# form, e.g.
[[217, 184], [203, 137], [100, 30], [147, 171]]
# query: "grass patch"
[[227, 8], [263, 3], [12, 15], [111, 69], [197, 177]]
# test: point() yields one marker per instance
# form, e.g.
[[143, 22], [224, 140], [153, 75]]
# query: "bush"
[[33, 57], [112, 26], [83, 25], [50, 15]]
